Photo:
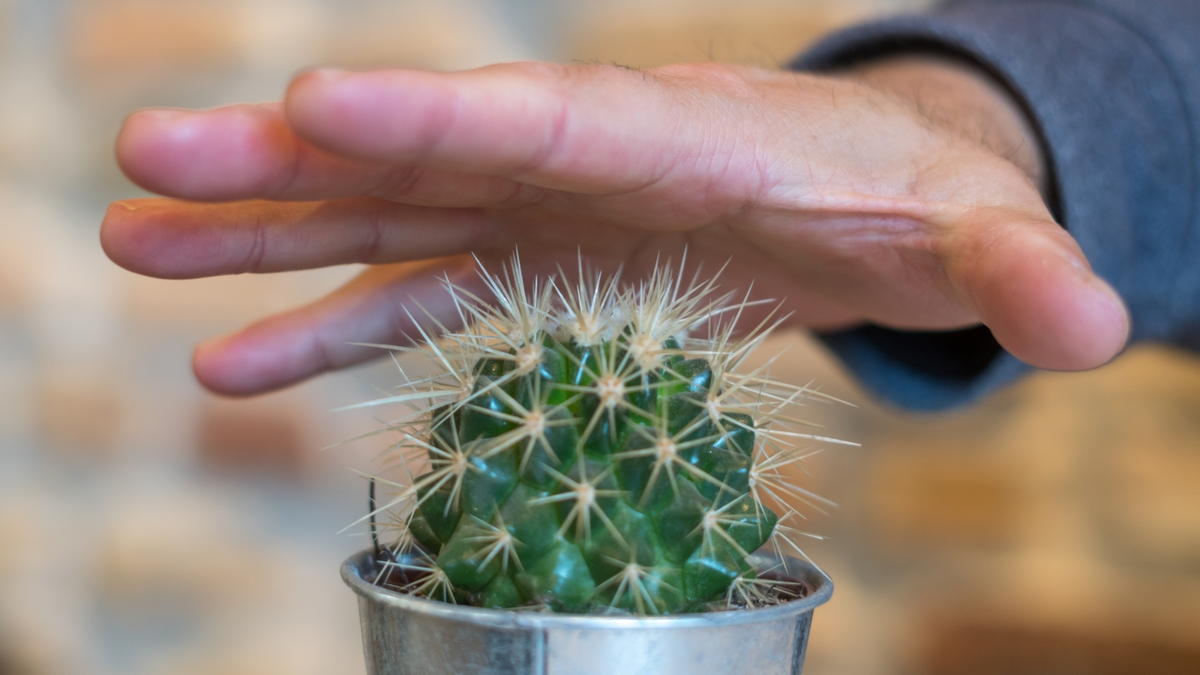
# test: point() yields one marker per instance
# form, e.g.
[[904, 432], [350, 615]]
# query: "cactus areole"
[[592, 447]]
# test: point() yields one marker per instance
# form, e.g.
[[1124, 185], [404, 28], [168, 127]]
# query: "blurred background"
[[147, 528]]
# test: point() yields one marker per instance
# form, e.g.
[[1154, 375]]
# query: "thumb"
[[1030, 283]]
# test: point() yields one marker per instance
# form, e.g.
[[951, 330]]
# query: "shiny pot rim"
[[822, 588]]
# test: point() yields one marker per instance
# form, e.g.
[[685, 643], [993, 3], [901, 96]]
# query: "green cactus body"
[[583, 452]]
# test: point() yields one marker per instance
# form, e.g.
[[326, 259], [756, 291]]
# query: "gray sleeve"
[[1113, 90]]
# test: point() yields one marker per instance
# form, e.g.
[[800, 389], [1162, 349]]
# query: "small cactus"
[[578, 449]]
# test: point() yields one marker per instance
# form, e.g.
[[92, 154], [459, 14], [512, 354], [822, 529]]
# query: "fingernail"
[[1110, 293], [163, 114], [325, 74], [1116, 306]]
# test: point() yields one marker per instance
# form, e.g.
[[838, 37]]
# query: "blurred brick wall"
[[147, 528]]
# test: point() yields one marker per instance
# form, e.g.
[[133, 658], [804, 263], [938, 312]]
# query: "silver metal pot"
[[406, 635]]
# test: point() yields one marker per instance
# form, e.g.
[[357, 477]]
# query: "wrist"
[[959, 100]]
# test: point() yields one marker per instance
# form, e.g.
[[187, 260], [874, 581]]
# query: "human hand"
[[904, 195]]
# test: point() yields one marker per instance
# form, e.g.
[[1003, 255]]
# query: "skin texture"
[[904, 192]]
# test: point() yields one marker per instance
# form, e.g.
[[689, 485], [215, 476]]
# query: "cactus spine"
[[578, 449]]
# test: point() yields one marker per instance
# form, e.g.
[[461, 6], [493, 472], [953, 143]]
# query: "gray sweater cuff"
[[1114, 122]]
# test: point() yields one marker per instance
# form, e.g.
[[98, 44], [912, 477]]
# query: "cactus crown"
[[578, 449]]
